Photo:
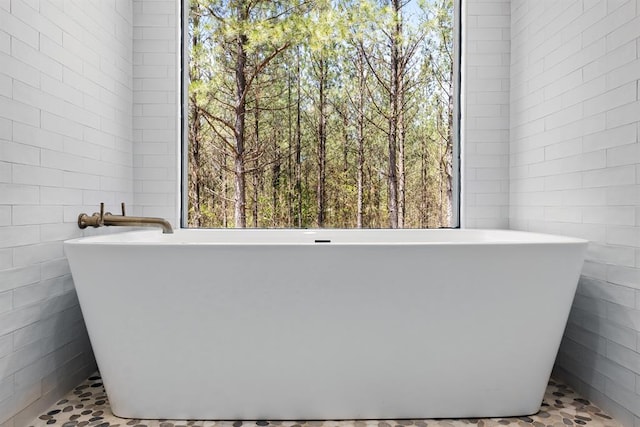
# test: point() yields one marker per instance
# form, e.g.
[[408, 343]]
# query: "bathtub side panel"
[[317, 332]]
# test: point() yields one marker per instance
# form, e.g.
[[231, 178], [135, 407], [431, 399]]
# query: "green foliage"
[[284, 41]]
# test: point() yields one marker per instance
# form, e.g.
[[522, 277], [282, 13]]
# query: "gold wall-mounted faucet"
[[102, 218]]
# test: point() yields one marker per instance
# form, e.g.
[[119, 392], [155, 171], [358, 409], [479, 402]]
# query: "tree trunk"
[[275, 181], [195, 166], [255, 176], [290, 139], [322, 141], [401, 139], [239, 216], [360, 124], [424, 182], [225, 187], [194, 190], [298, 143], [448, 167], [392, 178]]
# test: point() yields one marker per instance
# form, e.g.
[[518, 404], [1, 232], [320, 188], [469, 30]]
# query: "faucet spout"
[[99, 219], [138, 221]]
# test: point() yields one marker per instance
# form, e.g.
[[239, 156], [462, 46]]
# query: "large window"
[[321, 113]]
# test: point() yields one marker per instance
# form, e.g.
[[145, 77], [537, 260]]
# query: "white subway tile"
[[19, 153], [578, 339], [31, 55], [6, 258], [57, 232], [148, 20], [35, 175], [5, 172], [19, 70], [600, 289], [6, 86], [6, 304], [42, 329], [18, 318], [6, 388], [41, 214], [33, 135], [620, 255], [588, 90], [60, 196], [610, 99], [6, 131], [605, 25], [554, 88], [610, 61], [569, 181], [623, 195], [627, 399], [33, 254], [29, 13], [20, 276], [625, 276], [19, 194], [5, 41], [626, 236], [61, 125], [611, 215], [563, 214], [622, 335], [154, 58], [55, 268], [18, 29], [615, 137], [624, 31], [43, 290], [61, 90], [611, 176], [81, 181], [623, 356], [55, 51], [17, 111], [6, 344], [563, 149], [628, 72], [5, 215]]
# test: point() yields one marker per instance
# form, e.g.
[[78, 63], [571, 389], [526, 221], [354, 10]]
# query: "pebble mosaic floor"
[[87, 405]]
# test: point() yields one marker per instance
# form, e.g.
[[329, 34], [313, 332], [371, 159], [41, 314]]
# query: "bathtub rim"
[[475, 237]]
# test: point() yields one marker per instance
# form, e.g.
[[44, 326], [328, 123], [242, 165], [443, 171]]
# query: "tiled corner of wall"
[[485, 113], [65, 145], [575, 170], [156, 108]]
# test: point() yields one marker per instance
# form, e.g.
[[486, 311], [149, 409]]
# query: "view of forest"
[[320, 113]]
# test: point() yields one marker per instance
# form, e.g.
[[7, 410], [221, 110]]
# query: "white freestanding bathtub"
[[325, 324]]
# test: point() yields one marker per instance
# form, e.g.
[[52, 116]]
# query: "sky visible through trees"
[[320, 113]]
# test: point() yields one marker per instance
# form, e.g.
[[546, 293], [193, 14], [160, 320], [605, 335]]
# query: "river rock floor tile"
[[87, 405]]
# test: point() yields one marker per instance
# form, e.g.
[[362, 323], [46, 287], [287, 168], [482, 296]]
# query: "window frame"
[[456, 168]]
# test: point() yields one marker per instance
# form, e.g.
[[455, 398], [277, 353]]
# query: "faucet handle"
[[122, 206], [101, 211]]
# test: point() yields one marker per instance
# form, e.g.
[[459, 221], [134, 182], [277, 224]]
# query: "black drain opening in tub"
[[322, 241]]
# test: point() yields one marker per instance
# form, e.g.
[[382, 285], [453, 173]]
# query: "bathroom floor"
[[87, 405]]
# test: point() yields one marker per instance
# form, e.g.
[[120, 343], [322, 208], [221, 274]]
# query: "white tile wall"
[[485, 113], [66, 143], [574, 169], [156, 109]]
